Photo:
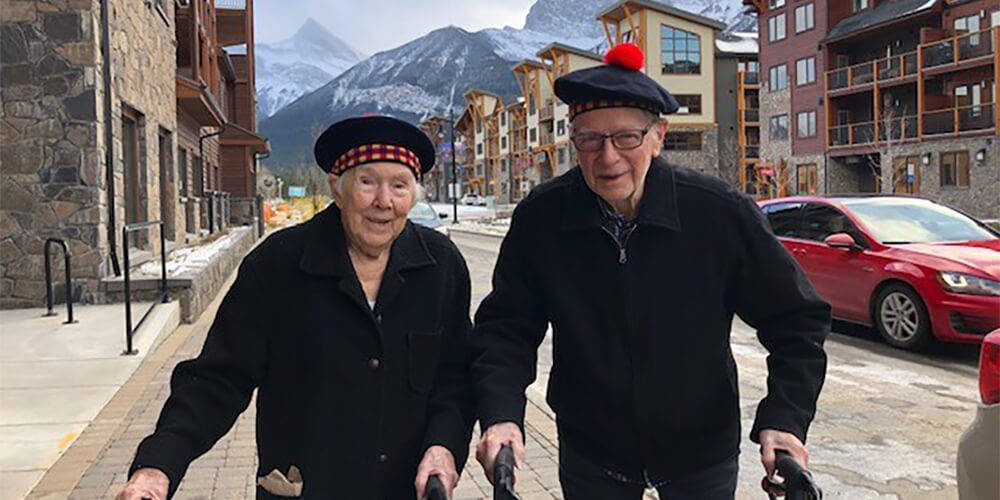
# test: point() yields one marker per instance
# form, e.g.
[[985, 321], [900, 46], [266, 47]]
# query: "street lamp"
[[454, 174]]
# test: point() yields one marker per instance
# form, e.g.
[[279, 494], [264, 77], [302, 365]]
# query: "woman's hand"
[[439, 461], [146, 483]]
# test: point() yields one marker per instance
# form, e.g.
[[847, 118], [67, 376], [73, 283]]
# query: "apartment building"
[[882, 96], [90, 144]]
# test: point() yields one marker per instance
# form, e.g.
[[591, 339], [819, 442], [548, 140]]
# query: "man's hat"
[[618, 83], [356, 141]]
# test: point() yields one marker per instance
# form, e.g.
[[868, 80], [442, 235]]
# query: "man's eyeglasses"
[[623, 140]]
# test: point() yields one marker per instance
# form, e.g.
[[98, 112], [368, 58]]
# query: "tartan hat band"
[[583, 107], [371, 153]]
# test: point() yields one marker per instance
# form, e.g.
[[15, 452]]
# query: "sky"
[[375, 25]]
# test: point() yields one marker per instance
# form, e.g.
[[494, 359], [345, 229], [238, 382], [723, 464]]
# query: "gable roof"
[[884, 12]]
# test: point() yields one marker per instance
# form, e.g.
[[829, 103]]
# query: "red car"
[[914, 269]]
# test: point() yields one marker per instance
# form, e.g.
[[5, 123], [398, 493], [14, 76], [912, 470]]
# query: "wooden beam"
[[920, 93], [607, 32], [628, 16], [641, 38], [996, 79]]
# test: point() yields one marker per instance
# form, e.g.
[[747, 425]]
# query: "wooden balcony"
[[547, 110], [959, 121], [959, 52], [749, 79], [235, 21]]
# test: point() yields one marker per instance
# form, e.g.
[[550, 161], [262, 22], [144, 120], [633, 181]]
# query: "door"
[[842, 277], [167, 186]]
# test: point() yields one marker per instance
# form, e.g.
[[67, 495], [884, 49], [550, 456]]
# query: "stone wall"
[[707, 159], [793, 163], [981, 198], [772, 104], [52, 169]]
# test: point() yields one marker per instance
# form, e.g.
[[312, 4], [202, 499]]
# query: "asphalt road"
[[888, 421]]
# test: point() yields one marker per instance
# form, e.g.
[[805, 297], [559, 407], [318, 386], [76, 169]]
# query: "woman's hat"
[[357, 141]]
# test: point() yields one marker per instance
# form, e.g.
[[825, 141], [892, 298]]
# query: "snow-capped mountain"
[[424, 76], [298, 65], [410, 82]]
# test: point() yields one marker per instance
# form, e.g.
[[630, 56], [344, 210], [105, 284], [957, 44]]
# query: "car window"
[[820, 221], [784, 218], [422, 211]]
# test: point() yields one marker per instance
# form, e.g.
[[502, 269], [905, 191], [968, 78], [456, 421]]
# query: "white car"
[[473, 199], [978, 452]]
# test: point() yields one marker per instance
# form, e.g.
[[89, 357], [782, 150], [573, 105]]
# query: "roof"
[[477, 92], [664, 8], [883, 13], [528, 63], [737, 43], [571, 50]]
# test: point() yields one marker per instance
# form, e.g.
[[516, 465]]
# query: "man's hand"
[[145, 483], [493, 439], [437, 460], [771, 440]]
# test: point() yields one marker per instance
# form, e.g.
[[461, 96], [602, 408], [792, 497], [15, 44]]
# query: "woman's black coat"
[[350, 396]]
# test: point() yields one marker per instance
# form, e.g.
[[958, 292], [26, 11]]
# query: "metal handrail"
[[129, 329], [48, 280]]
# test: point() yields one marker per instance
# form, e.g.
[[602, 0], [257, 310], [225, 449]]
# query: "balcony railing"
[[231, 4], [897, 66], [897, 128], [545, 137], [750, 77], [959, 119], [959, 48], [752, 151], [546, 111], [852, 134], [751, 115]]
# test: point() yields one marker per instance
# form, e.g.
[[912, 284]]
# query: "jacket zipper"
[[622, 254]]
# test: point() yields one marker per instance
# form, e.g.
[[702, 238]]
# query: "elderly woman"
[[352, 327]]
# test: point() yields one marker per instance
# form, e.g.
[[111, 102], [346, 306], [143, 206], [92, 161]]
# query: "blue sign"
[[296, 191]]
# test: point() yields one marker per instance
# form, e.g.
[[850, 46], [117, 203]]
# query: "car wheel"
[[901, 318]]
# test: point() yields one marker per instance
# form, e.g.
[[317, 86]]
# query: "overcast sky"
[[374, 25]]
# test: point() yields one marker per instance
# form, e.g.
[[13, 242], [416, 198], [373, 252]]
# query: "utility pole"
[[454, 171]]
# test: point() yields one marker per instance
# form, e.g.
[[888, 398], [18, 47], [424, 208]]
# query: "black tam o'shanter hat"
[[619, 83], [357, 141]]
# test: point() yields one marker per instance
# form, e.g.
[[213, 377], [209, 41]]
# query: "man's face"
[[618, 175]]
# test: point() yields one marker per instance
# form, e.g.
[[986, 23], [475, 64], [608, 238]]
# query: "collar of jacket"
[[658, 206], [325, 252]]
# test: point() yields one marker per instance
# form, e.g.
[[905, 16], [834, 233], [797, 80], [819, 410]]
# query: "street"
[[888, 421]]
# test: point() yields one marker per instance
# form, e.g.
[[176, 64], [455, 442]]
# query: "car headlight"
[[965, 283]]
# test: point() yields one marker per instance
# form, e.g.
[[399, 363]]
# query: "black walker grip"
[[435, 489], [503, 474]]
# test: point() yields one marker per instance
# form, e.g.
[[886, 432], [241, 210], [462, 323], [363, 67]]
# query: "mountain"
[[298, 65], [410, 82], [424, 76]]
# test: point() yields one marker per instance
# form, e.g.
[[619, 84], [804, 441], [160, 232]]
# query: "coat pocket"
[[423, 359]]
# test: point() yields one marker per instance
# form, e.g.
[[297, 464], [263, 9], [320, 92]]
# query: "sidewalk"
[[95, 466], [55, 379]]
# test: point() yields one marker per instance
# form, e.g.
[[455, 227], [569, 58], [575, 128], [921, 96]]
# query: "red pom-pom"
[[626, 55]]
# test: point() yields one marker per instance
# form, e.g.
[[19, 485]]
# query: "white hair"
[[419, 192]]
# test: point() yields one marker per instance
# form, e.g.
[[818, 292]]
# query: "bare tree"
[[894, 128]]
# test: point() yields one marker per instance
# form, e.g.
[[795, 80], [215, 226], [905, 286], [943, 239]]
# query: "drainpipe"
[[109, 145], [201, 157]]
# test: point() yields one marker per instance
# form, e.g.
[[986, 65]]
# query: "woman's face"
[[374, 201]]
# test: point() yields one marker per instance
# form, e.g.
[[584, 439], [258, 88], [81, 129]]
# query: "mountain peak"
[[312, 29]]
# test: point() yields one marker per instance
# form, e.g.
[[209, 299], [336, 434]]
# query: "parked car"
[[423, 213], [978, 453], [473, 199], [912, 268]]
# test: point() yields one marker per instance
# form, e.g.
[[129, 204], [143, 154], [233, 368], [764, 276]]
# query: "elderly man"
[[639, 266], [353, 329]]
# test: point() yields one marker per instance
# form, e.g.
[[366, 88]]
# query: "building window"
[[778, 77], [680, 50], [682, 141], [531, 104], [479, 148], [503, 142], [860, 5], [533, 135], [906, 174], [804, 18], [690, 104], [805, 71], [955, 169], [561, 127], [807, 177], [776, 28], [774, 4], [135, 171], [779, 128], [503, 119], [562, 155], [479, 126], [807, 124]]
